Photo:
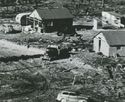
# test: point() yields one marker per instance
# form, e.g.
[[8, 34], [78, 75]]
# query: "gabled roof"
[[116, 14], [54, 13], [114, 38]]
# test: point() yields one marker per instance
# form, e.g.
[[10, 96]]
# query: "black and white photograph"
[[62, 50]]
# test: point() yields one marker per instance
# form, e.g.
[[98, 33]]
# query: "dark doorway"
[[123, 20], [99, 44]]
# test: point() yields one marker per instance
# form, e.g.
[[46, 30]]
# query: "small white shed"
[[110, 43], [113, 18]]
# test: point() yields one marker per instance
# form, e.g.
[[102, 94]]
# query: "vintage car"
[[67, 96]]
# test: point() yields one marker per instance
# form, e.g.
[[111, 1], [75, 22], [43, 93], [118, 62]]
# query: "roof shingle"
[[54, 13], [115, 38]]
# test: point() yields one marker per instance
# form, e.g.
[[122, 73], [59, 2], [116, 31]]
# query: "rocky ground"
[[38, 80]]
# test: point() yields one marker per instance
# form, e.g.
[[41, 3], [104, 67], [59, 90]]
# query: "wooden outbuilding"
[[113, 19], [51, 19], [110, 43]]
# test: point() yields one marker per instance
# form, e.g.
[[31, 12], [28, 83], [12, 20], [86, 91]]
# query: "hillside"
[[9, 8]]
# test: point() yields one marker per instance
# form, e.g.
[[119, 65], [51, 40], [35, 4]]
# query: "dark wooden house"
[[51, 19]]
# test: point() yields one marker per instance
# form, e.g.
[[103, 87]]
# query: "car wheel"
[[63, 100], [59, 33], [58, 101]]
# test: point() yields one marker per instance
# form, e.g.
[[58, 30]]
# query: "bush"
[[23, 83]]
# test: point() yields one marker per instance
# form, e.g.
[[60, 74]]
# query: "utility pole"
[[103, 2], [74, 79]]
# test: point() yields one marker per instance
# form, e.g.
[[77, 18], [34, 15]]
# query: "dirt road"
[[9, 49]]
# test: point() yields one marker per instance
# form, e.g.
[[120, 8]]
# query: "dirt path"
[[9, 49]]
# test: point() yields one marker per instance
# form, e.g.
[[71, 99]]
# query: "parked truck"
[[55, 52]]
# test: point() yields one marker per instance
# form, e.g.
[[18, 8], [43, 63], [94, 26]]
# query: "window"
[[73, 94], [65, 93], [116, 21], [50, 23], [118, 47], [118, 18], [107, 22], [105, 17]]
